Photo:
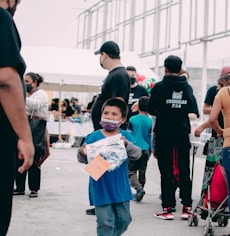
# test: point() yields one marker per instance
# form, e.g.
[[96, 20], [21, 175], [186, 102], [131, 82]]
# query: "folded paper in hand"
[[97, 167]]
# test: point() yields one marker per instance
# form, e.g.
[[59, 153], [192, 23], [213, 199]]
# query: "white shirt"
[[37, 104]]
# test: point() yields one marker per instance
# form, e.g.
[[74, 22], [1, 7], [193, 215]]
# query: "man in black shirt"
[[136, 91], [15, 134], [117, 82], [171, 101]]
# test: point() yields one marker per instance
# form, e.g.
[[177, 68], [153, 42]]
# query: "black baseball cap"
[[132, 68], [111, 48]]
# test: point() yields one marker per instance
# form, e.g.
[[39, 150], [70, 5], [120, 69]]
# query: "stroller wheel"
[[195, 220], [190, 220], [208, 231], [220, 221], [225, 221], [205, 230], [211, 232]]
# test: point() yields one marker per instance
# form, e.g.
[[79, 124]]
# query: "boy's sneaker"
[[173, 209], [186, 212], [17, 193], [165, 214], [139, 195], [91, 212]]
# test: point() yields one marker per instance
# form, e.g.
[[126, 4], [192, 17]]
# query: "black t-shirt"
[[69, 111], [171, 101], [10, 45], [135, 94], [116, 84], [210, 95], [90, 105], [209, 99]]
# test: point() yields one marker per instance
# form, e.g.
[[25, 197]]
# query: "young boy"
[[111, 193], [140, 125]]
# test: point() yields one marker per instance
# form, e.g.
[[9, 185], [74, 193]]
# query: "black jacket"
[[171, 101]]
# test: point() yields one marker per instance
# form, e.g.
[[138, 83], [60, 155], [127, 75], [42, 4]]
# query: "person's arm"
[[134, 152], [213, 118], [192, 116], [206, 109], [12, 101], [201, 128]]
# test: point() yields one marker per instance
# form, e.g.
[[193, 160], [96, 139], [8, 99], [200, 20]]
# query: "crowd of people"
[[121, 109], [173, 105], [69, 108]]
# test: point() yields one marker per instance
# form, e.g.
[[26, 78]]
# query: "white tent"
[[75, 70]]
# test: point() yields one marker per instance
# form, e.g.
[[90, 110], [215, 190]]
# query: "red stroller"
[[214, 198]]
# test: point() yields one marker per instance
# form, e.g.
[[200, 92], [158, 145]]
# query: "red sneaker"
[[165, 214], [186, 212]]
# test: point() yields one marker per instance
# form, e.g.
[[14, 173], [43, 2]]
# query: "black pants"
[[34, 178], [137, 171], [164, 146], [7, 157]]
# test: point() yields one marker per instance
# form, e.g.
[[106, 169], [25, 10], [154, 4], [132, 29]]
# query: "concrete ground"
[[60, 208]]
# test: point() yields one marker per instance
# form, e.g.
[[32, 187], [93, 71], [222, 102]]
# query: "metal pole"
[[157, 34], [205, 51]]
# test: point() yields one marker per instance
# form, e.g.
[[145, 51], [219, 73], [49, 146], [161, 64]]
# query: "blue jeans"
[[113, 220], [226, 164]]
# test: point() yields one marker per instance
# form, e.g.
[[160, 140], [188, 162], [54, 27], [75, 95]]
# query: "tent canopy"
[[75, 70]]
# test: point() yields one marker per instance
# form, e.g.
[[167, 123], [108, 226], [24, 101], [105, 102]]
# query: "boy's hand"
[[154, 154], [83, 151], [125, 140]]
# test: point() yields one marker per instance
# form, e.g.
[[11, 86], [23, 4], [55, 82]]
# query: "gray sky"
[[49, 22], [53, 23]]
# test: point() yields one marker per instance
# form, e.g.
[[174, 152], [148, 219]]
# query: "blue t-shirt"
[[113, 186], [141, 126]]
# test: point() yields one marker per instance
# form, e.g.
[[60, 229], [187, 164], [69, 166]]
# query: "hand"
[[198, 131], [220, 134], [25, 153], [154, 154], [125, 140], [134, 107], [83, 151]]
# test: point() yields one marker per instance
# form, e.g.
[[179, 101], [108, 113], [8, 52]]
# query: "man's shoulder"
[[142, 89], [118, 71], [212, 89], [5, 16]]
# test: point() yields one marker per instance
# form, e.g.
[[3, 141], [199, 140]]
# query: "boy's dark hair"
[[117, 102], [143, 103], [173, 64]]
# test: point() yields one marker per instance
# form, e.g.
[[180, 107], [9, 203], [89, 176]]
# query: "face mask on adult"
[[12, 9], [110, 125], [101, 65], [29, 87], [133, 80]]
